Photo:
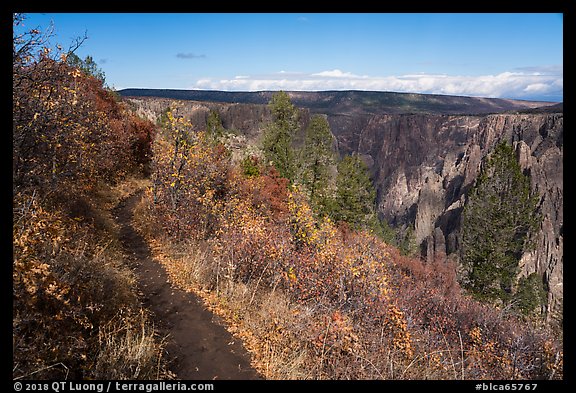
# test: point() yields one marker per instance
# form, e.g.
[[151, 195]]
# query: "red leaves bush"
[[69, 131], [70, 136]]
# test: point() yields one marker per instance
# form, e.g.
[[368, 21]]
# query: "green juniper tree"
[[355, 195], [214, 127], [316, 159], [530, 294], [406, 241], [355, 199], [279, 134], [498, 217]]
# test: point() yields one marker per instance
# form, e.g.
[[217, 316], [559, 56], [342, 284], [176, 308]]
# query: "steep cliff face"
[[247, 119], [424, 164]]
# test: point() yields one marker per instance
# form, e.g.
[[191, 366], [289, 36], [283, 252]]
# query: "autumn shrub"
[[467, 338], [68, 130], [189, 181], [72, 139], [62, 279], [267, 193], [265, 240]]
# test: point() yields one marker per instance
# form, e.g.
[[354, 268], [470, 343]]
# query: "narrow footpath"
[[198, 346]]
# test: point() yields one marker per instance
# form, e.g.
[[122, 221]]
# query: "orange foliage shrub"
[[68, 131], [69, 135]]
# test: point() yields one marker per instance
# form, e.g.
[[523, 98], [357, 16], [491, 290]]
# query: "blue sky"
[[489, 55]]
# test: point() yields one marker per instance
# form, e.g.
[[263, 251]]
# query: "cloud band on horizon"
[[541, 83]]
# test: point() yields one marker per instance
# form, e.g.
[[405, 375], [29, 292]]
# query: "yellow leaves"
[[39, 236], [398, 327], [475, 335], [487, 353], [41, 269], [57, 291], [76, 73], [178, 125], [553, 358], [303, 224], [291, 275]]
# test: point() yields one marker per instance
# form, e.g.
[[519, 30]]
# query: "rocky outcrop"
[[424, 164], [247, 119]]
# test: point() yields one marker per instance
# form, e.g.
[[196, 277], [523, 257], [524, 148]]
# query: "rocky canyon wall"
[[424, 165]]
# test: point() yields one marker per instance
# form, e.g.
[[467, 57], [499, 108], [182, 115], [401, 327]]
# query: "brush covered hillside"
[[352, 102], [76, 308], [423, 166], [284, 243]]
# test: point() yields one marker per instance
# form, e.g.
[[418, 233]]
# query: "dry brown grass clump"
[[128, 349]]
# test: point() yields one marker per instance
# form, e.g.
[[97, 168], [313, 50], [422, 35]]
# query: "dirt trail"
[[199, 347]]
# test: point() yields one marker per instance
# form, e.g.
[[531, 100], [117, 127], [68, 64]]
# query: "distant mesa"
[[360, 102]]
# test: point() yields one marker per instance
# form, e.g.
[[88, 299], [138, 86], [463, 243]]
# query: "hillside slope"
[[423, 165], [313, 298]]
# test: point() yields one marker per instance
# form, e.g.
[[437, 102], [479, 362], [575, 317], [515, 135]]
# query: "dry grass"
[[128, 350], [65, 270]]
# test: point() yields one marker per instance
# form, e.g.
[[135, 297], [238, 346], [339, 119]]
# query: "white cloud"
[[190, 56], [335, 74], [537, 88], [526, 83]]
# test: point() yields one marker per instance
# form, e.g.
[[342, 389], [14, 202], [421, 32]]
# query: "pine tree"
[[214, 128], [87, 66], [530, 294], [355, 195], [498, 217], [316, 159], [278, 136]]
